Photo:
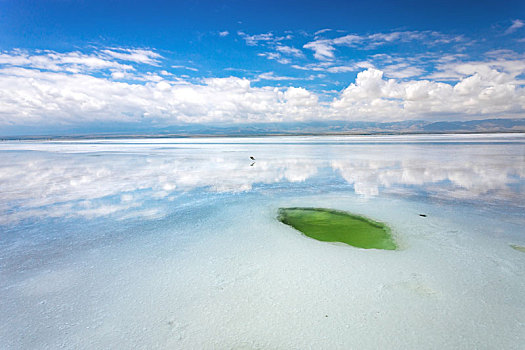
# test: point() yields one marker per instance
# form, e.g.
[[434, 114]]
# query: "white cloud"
[[319, 66], [119, 75], [350, 67], [224, 33], [31, 97], [272, 76], [402, 70], [185, 67], [486, 92], [253, 40], [341, 69], [502, 53], [323, 31], [288, 50], [516, 24], [331, 67], [300, 97], [276, 56], [38, 97], [265, 39], [134, 55], [73, 62], [440, 38], [323, 49], [347, 40], [498, 68]]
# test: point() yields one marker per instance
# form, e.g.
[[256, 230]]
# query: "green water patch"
[[519, 248], [330, 225]]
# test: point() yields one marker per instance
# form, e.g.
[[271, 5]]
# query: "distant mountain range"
[[344, 127], [305, 128]]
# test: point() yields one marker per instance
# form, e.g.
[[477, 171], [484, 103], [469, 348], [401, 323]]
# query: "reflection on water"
[[174, 243], [122, 178]]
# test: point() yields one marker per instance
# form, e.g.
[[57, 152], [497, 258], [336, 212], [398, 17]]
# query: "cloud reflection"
[[126, 183]]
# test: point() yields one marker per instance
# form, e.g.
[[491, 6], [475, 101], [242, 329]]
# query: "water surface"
[[174, 243]]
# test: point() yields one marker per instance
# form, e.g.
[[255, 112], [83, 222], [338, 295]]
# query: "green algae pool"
[[330, 225], [519, 248]]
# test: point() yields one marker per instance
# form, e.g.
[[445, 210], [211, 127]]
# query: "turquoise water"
[[174, 243]]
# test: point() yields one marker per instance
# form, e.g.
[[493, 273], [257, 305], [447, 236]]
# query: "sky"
[[109, 66]]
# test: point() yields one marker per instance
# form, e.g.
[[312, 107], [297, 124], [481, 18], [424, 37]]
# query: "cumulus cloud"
[[31, 97], [41, 89], [485, 91], [510, 68], [224, 33]]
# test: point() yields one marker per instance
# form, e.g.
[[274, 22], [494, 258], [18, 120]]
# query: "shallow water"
[[174, 243]]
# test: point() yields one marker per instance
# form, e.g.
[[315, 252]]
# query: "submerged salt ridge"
[[175, 244]]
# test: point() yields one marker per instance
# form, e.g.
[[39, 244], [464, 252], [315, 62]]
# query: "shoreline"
[[194, 136]]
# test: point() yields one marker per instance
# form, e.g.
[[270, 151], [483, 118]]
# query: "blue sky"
[[115, 65]]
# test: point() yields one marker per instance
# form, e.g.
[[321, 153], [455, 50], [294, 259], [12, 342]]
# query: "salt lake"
[[175, 243]]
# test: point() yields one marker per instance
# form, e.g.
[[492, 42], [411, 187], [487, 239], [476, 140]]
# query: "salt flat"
[[174, 243]]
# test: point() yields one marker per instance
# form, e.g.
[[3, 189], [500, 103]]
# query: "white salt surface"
[[179, 248]]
